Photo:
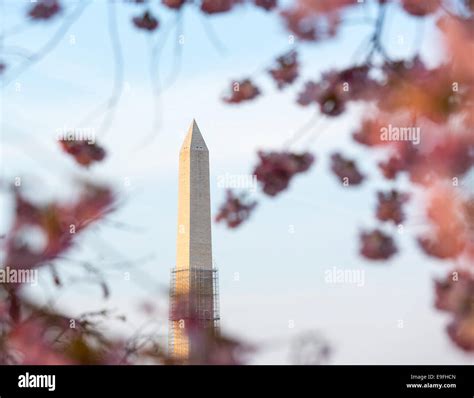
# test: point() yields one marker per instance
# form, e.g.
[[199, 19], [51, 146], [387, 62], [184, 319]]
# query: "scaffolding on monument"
[[194, 296]]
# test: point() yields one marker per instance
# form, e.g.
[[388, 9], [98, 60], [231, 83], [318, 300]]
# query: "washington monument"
[[194, 292]]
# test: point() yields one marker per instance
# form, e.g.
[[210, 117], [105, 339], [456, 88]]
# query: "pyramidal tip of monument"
[[194, 139]]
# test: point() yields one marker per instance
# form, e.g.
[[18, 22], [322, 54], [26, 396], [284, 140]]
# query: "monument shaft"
[[193, 294]]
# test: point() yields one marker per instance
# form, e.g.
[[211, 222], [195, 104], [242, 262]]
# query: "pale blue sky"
[[281, 274]]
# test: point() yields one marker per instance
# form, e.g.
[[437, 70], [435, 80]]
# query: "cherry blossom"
[[84, 153], [174, 4], [58, 223], [217, 6], [389, 206], [45, 9], [346, 170], [420, 8], [235, 210], [241, 91], [276, 169], [287, 69], [455, 295], [146, 22], [267, 5], [376, 245]]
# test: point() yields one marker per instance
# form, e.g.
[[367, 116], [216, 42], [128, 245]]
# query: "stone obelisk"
[[193, 297]]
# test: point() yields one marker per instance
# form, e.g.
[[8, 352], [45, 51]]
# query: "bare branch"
[[49, 46], [109, 106]]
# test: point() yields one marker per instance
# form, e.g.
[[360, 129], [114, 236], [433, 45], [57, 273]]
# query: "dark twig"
[[49, 46], [17, 51], [155, 77], [110, 105], [211, 35], [299, 133], [178, 54], [377, 35]]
